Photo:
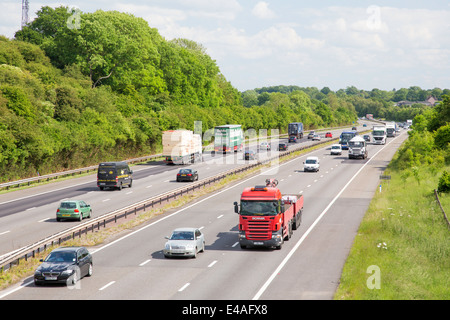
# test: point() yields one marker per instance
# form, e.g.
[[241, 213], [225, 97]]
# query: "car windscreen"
[[310, 161], [182, 235], [185, 171], [68, 205], [106, 171], [61, 256]]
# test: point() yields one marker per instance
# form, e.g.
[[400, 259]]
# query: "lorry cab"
[[114, 175], [357, 148], [266, 217]]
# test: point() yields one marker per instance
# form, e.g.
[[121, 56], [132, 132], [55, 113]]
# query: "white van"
[[336, 149], [311, 164]]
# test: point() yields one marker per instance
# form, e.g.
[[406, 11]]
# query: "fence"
[[442, 209]]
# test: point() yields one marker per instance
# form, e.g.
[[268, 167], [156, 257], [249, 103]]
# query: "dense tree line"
[[78, 88], [380, 103]]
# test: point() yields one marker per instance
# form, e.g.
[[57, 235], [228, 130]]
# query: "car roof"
[[313, 158], [185, 229], [336, 145], [67, 249]]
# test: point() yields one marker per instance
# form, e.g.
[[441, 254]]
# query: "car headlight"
[[167, 246], [190, 246], [67, 272]]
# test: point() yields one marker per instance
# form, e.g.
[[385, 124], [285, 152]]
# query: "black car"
[[64, 265], [293, 139], [249, 155], [282, 147], [187, 175]]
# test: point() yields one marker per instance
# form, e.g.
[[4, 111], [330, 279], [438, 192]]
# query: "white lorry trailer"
[[181, 147]]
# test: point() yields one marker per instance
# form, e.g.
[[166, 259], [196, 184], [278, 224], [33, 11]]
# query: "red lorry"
[[266, 217]]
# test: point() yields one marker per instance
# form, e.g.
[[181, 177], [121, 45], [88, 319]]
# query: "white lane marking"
[[235, 244], [45, 219], [5, 232], [149, 186], [106, 286], [220, 216], [145, 262], [29, 209], [184, 287], [129, 192], [106, 200], [299, 242], [212, 263]]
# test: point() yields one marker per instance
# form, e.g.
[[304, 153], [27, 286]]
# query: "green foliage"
[[444, 182]]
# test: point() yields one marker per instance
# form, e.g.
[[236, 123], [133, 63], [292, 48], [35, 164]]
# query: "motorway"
[[29, 215], [133, 266]]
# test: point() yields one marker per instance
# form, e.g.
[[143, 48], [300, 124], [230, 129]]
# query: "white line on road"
[[145, 262], [184, 287], [106, 286], [106, 200], [4, 232], [235, 244], [220, 216], [212, 263], [30, 209], [45, 219]]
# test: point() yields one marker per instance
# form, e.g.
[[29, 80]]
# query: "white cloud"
[[261, 10]]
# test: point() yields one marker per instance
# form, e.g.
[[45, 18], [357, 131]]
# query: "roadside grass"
[[403, 243]]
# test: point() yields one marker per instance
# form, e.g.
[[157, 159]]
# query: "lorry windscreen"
[[378, 133], [259, 208]]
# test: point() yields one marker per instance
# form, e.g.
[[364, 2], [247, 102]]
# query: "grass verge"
[[402, 248]]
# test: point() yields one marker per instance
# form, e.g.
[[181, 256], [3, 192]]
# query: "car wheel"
[[90, 213], [81, 216], [90, 270]]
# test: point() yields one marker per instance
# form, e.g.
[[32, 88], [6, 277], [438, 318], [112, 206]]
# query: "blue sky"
[[366, 44]]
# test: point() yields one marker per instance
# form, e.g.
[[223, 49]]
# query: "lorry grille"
[[259, 230]]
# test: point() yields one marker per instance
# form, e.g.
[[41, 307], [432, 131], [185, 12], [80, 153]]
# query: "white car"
[[336, 149], [316, 137], [311, 164], [184, 242], [264, 146]]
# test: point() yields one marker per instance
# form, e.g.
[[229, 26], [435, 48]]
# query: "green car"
[[73, 209]]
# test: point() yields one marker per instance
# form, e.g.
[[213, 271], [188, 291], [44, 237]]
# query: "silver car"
[[184, 242]]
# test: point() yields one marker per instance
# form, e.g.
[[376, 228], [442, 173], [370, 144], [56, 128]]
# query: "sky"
[[336, 44]]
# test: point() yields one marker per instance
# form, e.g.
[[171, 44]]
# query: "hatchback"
[[74, 210], [64, 265], [186, 242], [282, 147], [187, 175], [328, 135], [249, 155]]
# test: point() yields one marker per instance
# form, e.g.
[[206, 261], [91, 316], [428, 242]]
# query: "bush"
[[444, 182]]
